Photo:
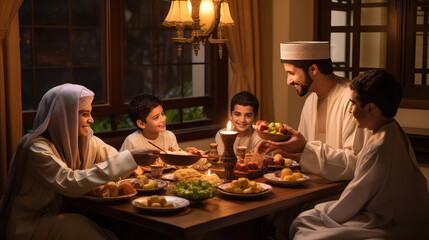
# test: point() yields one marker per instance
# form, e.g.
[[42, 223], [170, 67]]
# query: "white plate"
[[178, 203], [168, 176], [277, 167], [161, 185], [271, 177], [265, 189], [109, 199]]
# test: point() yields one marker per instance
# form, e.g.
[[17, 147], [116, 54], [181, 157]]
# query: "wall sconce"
[[204, 17]]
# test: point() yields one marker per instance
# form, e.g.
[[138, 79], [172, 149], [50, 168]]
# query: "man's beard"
[[305, 86]]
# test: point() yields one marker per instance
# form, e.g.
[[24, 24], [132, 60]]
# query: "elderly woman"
[[61, 157]]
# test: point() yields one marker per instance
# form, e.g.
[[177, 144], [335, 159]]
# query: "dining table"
[[209, 215]]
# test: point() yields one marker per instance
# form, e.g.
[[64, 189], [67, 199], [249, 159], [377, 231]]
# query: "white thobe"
[[250, 140], [387, 198], [47, 178], [165, 140], [334, 159]]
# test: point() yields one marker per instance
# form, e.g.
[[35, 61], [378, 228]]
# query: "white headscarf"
[[58, 115]]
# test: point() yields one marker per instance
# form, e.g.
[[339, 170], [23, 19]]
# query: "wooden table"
[[216, 213]]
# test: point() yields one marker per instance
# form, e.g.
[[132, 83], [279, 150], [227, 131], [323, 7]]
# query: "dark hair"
[[324, 65], [380, 88], [245, 98], [141, 105]]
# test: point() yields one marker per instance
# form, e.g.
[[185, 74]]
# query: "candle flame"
[[228, 128], [208, 173]]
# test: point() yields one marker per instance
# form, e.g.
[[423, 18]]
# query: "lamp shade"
[[178, 14], [225, 15]]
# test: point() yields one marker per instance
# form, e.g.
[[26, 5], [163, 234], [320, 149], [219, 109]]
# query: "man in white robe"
[[61, 157], [388, 196], [327, 141]]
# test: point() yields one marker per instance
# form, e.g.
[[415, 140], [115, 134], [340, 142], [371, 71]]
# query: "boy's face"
[[155, 121], [242, 117], [359, 113], [85, 119]]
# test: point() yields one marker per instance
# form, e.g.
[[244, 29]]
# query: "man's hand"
[[291, 148], [144, 156]]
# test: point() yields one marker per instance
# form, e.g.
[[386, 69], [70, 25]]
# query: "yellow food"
[[152, 199], [143, 178], [300, 179], [297, 175], [248, 190], [156, 205], [285, 171], [288, 178], [168, 205], [243, 185], [243, 182], [278, 156], [288, 162], [113, 189]]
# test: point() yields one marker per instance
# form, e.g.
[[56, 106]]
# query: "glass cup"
[[156, 171]]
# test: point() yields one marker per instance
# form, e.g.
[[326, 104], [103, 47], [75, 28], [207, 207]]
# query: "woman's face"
[[85, 119]]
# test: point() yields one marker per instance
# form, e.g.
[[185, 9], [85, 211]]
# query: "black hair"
[[380, 88], [324, 65], [141, 105], [245, 98]]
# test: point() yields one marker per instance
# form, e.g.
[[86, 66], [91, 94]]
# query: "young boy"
[[388, 196], [244, 111], [147, 113]]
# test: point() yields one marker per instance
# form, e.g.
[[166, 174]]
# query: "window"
[[119, 49], [380, 34]]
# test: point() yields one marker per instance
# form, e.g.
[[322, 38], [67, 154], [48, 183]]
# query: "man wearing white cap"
[[327, 141]]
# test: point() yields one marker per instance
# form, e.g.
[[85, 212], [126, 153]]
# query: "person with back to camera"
[[243, 112], [61, 157], [388, 196]]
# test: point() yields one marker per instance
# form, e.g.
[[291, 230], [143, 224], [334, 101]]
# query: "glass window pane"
[[419, 50], [52, 50], [194, 84], [86, 13], [341, 18], [373, 16], [124, 121], [27, 90], [420, 14], [25, 13], [165, 50], [46, 79], [373, 1], [341, 49], [137, 13], [101, 124], [138, 47], [169, 81], [341, 74], [193, 113], [86, 46], [25, 45], [373, 49], [342, 1], [172, 115], [92, 79], [51, 12], [137, 81], [417, 79]]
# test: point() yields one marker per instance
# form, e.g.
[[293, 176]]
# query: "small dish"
[[179, 160], [273, 137], [271, 177], [178, 203], [265, 189], [161, 185], [110, 199]]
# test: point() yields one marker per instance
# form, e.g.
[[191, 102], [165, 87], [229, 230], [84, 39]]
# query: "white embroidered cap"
[[304, 50]]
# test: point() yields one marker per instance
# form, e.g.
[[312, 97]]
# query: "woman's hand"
[[144, 156]]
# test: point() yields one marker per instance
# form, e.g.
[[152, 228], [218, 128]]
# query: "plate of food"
[[157, 203], [273, 131], [279, 162], [190, 174], [144, 185], [111, 192], [286, 178], [244, 188], [194, 190], [180, 157]]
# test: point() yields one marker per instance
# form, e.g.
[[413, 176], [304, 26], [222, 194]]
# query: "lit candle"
[[208, 173], [228, 130]]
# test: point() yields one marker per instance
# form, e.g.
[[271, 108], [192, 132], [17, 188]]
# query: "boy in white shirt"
[[147, 113], [388, 196]]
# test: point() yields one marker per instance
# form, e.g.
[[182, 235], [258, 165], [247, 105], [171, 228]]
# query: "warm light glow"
[[208, 173], [225, 15], [178, 13], [228, 127], [207, 15]]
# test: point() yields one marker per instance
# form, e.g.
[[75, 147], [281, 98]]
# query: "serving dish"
[[265, 189], [271, 177], [179, 160], [178, 203], [110, 199], [161, 185], [273, 137]]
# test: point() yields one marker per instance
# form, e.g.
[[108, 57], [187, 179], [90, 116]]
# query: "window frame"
[[216, 103]]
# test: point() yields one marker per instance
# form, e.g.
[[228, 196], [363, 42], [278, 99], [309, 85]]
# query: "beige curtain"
[[245, 48], [10, 85]]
